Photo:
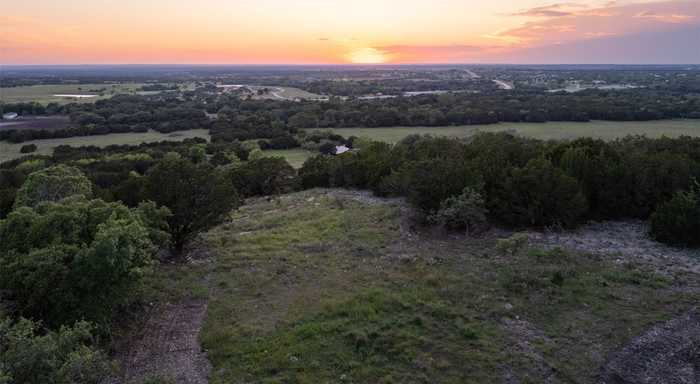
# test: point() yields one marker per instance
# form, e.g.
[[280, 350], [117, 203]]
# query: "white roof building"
[[341, 149]]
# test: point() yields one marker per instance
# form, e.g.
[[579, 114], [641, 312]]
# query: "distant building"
[[341, 149], [10, 116]]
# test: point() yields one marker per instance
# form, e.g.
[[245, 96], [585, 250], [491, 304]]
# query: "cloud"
[[553, 10], [670, 18], [648, 47], [566, 22]]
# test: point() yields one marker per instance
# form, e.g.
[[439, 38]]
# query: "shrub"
[[513, 244], [327, 148], [316, 172], [677, 221], [29, 148], [540, 194], [432, 181], [53, 184], [465, 211], [264, 176], [76, 259], [65, 356]]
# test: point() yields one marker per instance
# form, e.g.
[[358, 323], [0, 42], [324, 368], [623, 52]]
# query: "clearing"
[[606, 130], [66, 93], [295, 156], [9, 151], [338, 286]]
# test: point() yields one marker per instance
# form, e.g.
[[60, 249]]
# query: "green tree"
[[540, 194], [66, 356], [466, 211], [265, 176], [677, 221], [77, 259], [198, 195], [53, 184]]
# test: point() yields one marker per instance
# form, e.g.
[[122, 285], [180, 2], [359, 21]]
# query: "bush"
[[77, 259], [264, 176], [513, 244], [540, 194], [327, 149], [66, 356], [677, 221], [465, 211], [430, 182], [29, 148], [316, 172], [53, 184]]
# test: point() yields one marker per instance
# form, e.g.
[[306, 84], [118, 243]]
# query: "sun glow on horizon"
[[367, 56], [328, 32]]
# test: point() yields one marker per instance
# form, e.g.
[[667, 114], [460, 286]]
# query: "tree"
[[197, 154], [677, 221], [316, 172], [77, 258], [540, 194], [466, 211], [53, 184], [430, 182], [198, 195], [327, 148], [264, 176], [29, 148], [66, 356]]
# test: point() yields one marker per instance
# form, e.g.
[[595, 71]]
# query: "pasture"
[[606, 130], [9, 151], [295, 157], [65, 93]]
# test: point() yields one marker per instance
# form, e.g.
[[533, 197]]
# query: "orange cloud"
[[672, 18]]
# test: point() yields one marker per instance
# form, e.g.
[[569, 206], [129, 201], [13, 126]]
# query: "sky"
[[349, 32]]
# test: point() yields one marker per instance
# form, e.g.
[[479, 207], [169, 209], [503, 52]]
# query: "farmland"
[[65, 93], [606, 130], [9, 151]]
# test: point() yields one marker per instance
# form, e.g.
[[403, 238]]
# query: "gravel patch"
[[667, 353], [624, 241]]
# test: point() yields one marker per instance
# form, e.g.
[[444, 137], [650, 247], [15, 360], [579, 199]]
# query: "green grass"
[[317, 288], [9, 151], [607, 130], [296, 93], [295, 157], [45, 93]]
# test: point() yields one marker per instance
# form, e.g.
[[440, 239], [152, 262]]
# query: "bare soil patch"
[[626, 241], [667, 353], [167, 346]]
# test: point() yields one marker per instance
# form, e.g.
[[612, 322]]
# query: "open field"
[[607, 130], [295, 157], [294, 93], [9, 151], [48, 93], [328, 286]]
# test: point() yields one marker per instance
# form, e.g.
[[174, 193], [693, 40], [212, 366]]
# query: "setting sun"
[[367, 56]]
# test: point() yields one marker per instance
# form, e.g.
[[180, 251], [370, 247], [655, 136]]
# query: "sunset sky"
[[358, 31]]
